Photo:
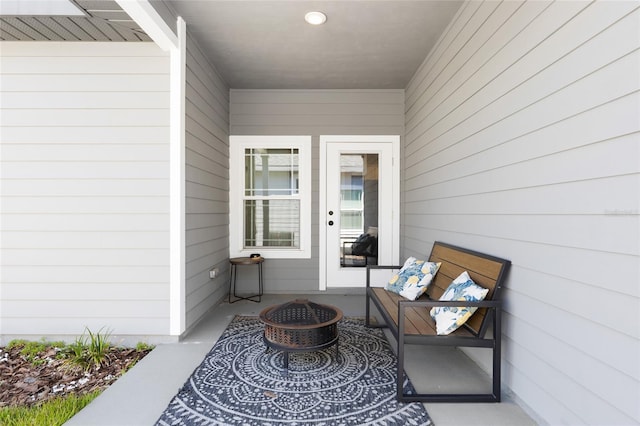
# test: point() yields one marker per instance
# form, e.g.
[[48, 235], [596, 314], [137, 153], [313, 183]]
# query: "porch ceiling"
[[364, 44], [104, 20], [264, 44]]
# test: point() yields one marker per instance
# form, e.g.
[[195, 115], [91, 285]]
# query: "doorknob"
[[330, 212], [330, 223]]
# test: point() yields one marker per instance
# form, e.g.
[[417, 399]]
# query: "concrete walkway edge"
[[140, 396]]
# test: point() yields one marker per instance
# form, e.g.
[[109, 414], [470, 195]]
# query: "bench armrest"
[[370, 267]]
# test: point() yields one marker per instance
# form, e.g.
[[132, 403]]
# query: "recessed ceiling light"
[[315, 18]]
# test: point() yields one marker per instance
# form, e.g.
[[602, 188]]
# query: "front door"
[[359, 207]]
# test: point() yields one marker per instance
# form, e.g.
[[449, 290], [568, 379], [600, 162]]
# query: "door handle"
[[330, 223], [330, 212]]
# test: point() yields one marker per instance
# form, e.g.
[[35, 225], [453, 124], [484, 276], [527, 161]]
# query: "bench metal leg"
[[426, 397], [497, 353]]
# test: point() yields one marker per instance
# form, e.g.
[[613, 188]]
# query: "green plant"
[[75, 353], [31, 350], [50, 413], [98, 347], [142, 346], [89, 351], [16, 343]]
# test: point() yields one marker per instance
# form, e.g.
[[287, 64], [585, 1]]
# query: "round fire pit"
[[300, 326]]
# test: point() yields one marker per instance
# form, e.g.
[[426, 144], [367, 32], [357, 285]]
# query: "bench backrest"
[[485, 270]]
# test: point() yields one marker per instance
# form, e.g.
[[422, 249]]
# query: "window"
[[270, 196]]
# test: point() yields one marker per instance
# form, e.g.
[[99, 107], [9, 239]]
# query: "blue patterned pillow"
[[449, 318], [413, 279]]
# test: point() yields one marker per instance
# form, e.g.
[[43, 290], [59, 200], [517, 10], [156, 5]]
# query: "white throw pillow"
[[450, 318]]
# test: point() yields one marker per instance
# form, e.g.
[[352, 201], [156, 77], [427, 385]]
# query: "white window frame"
[[237, 146]]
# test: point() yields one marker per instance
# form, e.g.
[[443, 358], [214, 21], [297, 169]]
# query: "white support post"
[[177, 301], [152, 23]]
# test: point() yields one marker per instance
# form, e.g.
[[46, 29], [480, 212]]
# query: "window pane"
[[272, 223], [270, 171], [351, 220]]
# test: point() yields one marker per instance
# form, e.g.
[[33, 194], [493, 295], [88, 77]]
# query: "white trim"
[[151, 22], [322, 208], [322, 202], [236, 182], [177, 238]]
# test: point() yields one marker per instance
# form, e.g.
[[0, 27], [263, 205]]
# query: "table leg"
[[233, 278], [260, 283], [232, 274]]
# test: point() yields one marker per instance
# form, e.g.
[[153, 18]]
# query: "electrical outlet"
[[214, 273]]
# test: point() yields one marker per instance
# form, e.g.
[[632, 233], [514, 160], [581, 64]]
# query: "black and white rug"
[[241, 383]]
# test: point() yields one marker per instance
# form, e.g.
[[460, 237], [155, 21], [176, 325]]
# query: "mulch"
[[24, 383]]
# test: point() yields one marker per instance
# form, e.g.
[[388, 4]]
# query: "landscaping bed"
[[31, 373]]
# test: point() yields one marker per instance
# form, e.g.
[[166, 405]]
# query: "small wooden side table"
[[233, 275]]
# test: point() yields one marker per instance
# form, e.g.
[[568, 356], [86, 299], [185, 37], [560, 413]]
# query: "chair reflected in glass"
[[360, 252]]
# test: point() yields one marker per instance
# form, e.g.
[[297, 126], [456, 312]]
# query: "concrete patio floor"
[[141, 395]]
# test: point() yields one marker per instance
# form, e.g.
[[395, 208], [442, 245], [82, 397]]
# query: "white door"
[[359, 195]]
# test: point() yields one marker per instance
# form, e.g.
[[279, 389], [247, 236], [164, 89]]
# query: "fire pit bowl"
[[300, 326]]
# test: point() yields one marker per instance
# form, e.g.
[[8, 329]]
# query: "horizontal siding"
[[207, 184], [54, 276], [127, 117], [126, 308], [84, 156], [87, 100], [86, 83], [77, 221], [145, 326], [522, 140], [25, 65], [315, 113]]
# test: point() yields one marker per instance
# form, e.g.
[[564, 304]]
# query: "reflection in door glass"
[[358, 210]]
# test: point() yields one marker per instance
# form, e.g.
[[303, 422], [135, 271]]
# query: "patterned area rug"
[[241, 383]]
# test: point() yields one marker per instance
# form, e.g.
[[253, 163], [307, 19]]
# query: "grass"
[[32, 350], [142, 346], [50, 413]]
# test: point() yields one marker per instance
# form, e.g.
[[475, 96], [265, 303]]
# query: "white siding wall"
[[315, 113], [84, 169], [522, 141], [207, 184]]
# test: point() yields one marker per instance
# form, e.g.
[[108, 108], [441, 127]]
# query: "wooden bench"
[[410, 321]]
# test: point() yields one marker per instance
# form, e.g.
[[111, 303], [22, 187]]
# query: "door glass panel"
[[358, 210]]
